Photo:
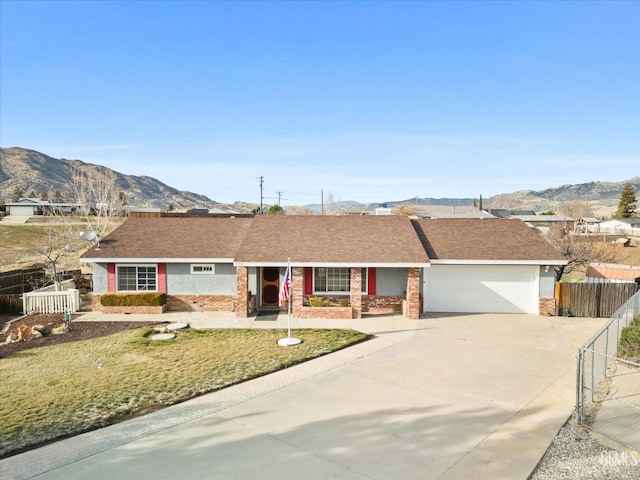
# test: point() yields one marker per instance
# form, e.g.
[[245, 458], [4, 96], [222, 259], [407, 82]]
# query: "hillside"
[[34, 171], [602, 197]]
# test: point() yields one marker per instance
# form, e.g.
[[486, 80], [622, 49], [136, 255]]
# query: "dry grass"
[[19, 243], [60, 390]]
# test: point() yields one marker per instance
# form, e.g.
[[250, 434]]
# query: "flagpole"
[[286, 342]]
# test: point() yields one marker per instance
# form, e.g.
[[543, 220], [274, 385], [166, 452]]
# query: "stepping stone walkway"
[[177, 326], [163, 336]]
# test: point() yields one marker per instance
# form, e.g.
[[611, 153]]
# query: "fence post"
[[579, 387]]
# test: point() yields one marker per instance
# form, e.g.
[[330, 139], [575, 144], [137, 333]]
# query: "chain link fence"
[[608, 387]]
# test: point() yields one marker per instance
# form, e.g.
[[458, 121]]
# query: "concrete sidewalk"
[[445, 397]]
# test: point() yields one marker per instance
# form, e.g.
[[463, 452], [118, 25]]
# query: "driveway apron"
[[449, 397]]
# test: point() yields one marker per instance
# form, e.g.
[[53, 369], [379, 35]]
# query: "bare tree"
[[98, 198], [580, 250], [405, 210], [57, 244], [576, 209]]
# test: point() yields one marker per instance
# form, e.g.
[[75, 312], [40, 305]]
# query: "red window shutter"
[[371, 281], [162, 277], [308, 281], [111, 277]]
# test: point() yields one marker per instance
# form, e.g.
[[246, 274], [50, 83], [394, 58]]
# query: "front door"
[[270, 286]]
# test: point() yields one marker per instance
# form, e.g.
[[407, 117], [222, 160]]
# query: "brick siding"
[[547, 307], [413, 293]]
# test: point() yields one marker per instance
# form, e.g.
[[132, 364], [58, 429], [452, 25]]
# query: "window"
[[137, 277], [333, 280], [203, 269]]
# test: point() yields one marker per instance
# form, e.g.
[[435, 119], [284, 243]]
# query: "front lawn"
[[61, 390]]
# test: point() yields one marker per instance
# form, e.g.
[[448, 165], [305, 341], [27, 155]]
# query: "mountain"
[[602, 197], [34, 171]]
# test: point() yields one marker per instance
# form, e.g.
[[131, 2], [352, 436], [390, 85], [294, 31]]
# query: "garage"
[[481, 288]]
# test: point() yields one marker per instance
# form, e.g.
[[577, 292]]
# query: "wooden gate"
[[592, 299]]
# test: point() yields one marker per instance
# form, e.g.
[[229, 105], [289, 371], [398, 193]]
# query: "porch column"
[[413, 293], [297, 290], [356, 292], [242, 292]]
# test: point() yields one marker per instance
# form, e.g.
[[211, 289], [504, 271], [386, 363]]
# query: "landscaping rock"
[[35, 334], [177, 326], [163, 336], [24, 333], [44, 330], [61, 330], [12, 337]]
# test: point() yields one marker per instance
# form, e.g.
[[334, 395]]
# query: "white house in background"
[[612, 273], [621, 226], [27, 207]]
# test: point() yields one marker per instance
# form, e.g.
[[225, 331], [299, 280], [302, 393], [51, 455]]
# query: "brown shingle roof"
[[483, 239], [356, 240], [157, 237]]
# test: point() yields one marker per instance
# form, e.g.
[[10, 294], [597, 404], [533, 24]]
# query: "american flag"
[[285, 288]]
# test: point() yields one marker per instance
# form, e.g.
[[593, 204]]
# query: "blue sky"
[[368, 101]]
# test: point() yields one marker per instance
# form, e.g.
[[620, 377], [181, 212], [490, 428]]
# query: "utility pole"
[[261, 178], [279, 194]]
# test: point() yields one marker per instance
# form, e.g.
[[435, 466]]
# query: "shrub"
[[146, 299], [629, 346], [319, 302]]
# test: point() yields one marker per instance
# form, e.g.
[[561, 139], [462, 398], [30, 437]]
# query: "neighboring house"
[[449, 211], [588, 225], [27, 207], [612, 273], [375, 264], [621, 226], [547, 221], [504, 213]]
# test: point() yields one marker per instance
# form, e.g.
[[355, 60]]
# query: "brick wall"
[[183, 303], [356, 292], [547, 307], [413, 293], [118, 310], [376, 304], [334, 313], [201, 303], [242, 290]]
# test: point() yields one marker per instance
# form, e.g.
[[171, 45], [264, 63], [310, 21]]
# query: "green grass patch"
[[66, 389], [629, 345]]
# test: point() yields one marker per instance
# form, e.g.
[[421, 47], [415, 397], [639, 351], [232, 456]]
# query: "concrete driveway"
[[445, 397]]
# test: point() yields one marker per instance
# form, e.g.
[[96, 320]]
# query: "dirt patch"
[[77, 330]]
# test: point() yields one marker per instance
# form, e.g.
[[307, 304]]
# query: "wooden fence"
[[20, 281], [592, 299], [11, 304]]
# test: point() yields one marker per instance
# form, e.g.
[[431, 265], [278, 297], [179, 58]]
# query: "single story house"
[[544, 222], [612, 273], [449, 211], [367, 264], [621, 226], [27, 207]]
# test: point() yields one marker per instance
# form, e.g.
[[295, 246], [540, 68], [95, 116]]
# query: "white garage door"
[[481, 288]]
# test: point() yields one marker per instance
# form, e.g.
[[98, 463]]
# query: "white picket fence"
[[51, 302]]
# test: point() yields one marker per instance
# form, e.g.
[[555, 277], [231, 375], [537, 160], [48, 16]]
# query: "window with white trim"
[[203, 268], [335, 280], [137, 278]]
